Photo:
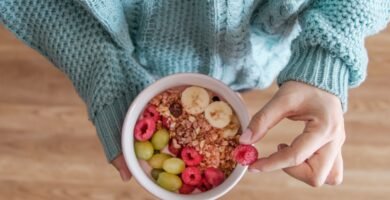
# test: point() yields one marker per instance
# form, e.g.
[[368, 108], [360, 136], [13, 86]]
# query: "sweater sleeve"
[[329, 52], [104, 73]]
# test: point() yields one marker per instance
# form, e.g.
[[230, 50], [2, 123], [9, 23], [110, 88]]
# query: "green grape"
[[157, 160], [174, 165], [169, 181], [144, 150], [160, 139], [155, 173]]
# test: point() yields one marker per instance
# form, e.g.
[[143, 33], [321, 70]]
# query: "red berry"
[[165, 122], [186, 189], [151, 112], [144, 129], [214, 176], [175, 151], [245, 154], [191, 176], [204, 185], [190, 156]]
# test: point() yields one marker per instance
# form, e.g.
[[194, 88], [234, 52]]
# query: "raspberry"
[[245, 154], [186, 189], [204, 185], [190, 156], [151, 112], [214, 176], [191, 176], [144, 129], [173, 150]]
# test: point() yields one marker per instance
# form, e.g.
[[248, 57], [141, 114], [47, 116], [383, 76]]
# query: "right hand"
[[314, 156]]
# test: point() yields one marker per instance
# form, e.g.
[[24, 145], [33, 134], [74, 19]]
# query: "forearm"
[[105, 75], [329, 53]]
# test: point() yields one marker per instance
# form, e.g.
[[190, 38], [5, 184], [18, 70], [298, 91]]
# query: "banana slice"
[[218, 114], [232, 128], [195, 100]]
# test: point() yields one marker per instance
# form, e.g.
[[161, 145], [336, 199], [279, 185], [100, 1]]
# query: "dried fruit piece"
[[218, 114], [186, 189], [176, 109], [195, 100], [151, 112], [191, 176], [144, 150], [215, 98], [214, 176], [169, 181], [190, 156], [144, 129], [245, 154]]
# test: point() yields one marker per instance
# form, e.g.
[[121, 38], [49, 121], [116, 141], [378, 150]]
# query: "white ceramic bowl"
[[139, 104]]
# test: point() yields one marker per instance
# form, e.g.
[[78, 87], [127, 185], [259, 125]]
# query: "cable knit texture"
[[111, 50]]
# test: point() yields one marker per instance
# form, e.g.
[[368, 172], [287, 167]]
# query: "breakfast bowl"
[[202, 99]]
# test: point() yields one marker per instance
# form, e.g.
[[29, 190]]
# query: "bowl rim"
[[128, 141]]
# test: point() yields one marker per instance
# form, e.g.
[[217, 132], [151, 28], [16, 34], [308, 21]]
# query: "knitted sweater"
[[111, 50]]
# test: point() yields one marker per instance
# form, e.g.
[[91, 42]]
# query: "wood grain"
[[49, 149]]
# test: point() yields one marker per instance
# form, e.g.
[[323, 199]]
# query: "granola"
[[194, 131]]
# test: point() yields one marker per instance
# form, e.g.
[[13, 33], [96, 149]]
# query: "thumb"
[[271, 114], [120, 164]]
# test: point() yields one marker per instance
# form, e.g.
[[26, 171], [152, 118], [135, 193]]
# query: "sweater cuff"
[[317, 67], [108, 122]]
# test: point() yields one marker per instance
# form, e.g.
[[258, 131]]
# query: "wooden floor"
[[49, 150]]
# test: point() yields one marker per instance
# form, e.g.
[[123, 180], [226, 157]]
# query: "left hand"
[[314, 156], [120, 165]]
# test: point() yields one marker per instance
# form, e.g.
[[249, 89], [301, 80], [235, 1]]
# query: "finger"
[[301, 149], [316, 169], [280, 147], [271, 114], [336, 174], [120, 164]]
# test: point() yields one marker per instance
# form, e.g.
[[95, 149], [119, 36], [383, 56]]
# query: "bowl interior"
[[139, 104]]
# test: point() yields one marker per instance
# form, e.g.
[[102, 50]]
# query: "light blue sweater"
[[113, 49]]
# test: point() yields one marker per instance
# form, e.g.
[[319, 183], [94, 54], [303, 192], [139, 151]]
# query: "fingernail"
[[253, 170], [125, 176], [246, 136]]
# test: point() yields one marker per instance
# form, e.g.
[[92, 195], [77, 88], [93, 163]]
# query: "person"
[[111, 50]]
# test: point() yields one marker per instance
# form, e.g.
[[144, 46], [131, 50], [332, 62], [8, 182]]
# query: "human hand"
[[120, 164], [314, 156]]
